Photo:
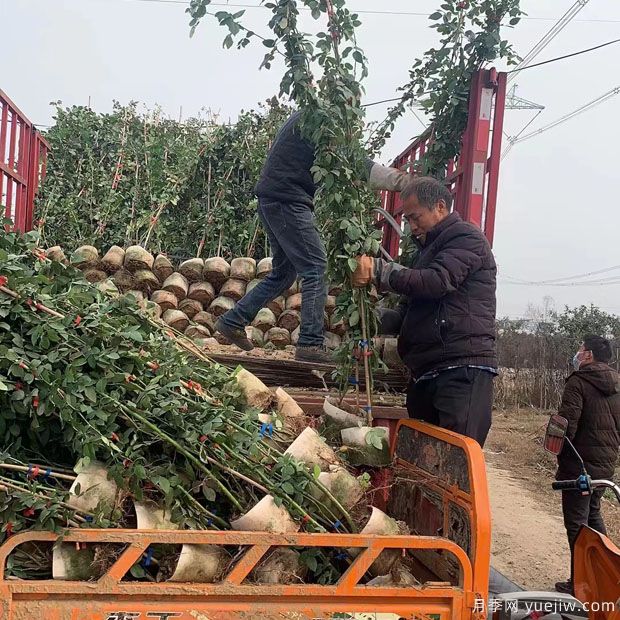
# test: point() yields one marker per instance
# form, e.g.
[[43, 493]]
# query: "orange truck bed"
[[438, 487]]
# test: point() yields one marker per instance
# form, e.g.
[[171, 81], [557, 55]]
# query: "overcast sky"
[[558, 208]]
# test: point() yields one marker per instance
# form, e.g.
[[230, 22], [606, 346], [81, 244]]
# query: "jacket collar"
[[434, 232]]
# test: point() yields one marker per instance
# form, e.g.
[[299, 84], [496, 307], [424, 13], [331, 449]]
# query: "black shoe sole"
[[243, 342], [314, 358]]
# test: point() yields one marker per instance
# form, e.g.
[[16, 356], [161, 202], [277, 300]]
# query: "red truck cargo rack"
[[472, 176], [23, 157]]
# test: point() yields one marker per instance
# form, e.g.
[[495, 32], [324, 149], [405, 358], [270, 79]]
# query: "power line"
[[573, 280], [604, 282], [550, 35], [546, 62], [512, 139], [584, 108], [365, 11]]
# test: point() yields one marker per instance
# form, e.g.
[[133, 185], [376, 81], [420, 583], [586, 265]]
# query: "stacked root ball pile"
[[192, 294]]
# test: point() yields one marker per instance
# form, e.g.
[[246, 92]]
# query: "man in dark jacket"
[[591, 404], [285, 193], [447, 319]]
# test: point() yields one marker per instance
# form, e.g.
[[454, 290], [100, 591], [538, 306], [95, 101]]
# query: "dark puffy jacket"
[[591, 404], [286, 175], [449, 315]]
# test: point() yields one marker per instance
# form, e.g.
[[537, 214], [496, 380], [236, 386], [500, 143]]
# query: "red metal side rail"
[[23, 158], [473, 174]]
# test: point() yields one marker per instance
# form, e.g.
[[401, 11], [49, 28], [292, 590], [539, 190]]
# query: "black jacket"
[[449, 314], [591, 404], [286, 175]]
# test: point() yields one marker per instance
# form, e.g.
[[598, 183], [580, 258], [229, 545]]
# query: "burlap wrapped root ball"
[[264, 320], [221, 305], [95, 275], [206, 319], [277, 305], [202, 292], [197, 331], [137, 258], [145, 280], [177, 284], [216, 271], [191, 307], [243, 269], [279, 337], [192, 269], [176, 319], [264, 267], [85, 257], [165, 299], [233, 288], [56, 253], [124, 280], [289, 320], [162, 267], [113, 259]]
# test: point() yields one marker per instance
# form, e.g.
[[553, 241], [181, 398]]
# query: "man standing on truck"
[[591, 404], [446, 317], [285, 193]]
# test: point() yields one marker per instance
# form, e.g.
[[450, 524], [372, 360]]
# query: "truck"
[[437, 485]]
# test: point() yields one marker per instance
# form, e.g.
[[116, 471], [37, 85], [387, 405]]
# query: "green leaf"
[[91, 394], [288, 488], [316, 472], [354, 318], [352, 263], [163, 484], [209, 493], [4, 387], [436, 15], [269, 43], [137, 571]]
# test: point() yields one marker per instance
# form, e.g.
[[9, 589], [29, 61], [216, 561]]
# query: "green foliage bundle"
[[85, 377], [130, 178]]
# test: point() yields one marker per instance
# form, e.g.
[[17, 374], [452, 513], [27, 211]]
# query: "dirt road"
[[529, 541]]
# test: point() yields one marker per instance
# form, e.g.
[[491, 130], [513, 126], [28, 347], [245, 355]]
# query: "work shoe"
[[316, 354], [237, 336], [565, 587]]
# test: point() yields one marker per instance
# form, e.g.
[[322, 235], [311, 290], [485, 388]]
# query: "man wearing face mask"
[[591, 404], [447, 317]]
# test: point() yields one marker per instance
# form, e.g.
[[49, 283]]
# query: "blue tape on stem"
[[149, 557], [266, 429], [88, 519], [363, 343], [209, 521], [337, 524], [353, 381], [367, 408], [341, 556], [29, 470], [47, 474]]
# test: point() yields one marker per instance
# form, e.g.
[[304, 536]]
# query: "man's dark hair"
[[428, 191], [600, 347]]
